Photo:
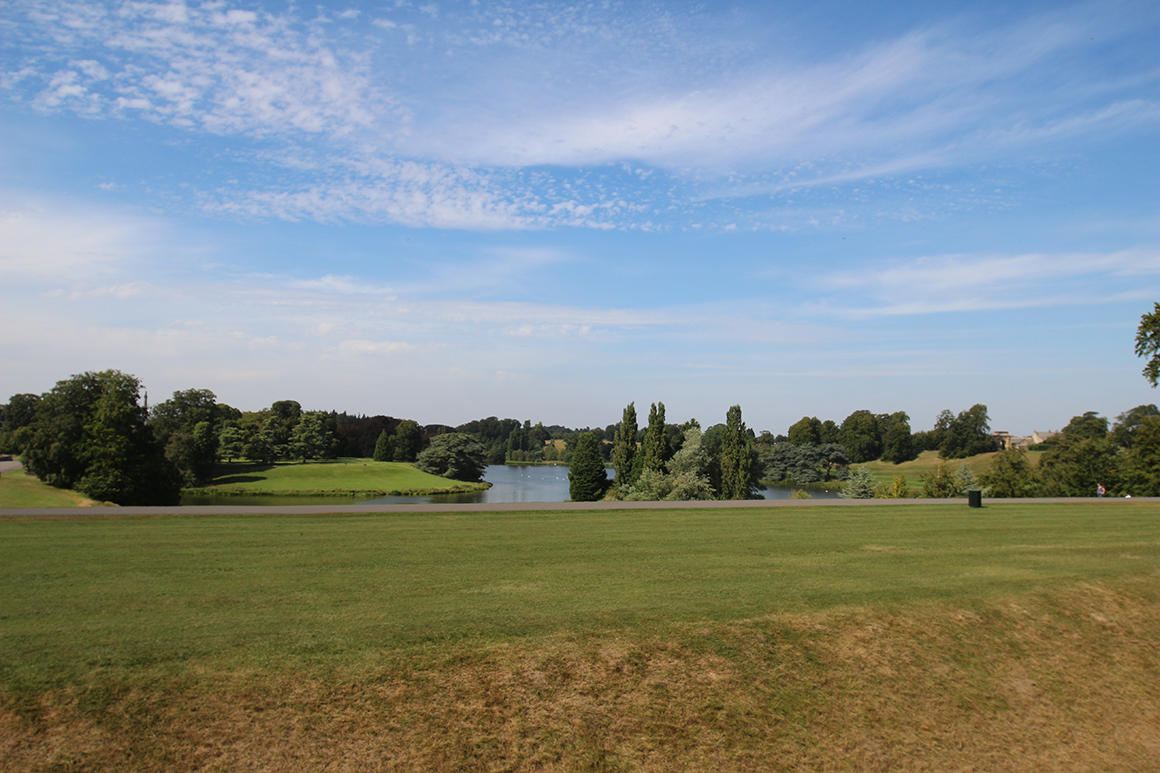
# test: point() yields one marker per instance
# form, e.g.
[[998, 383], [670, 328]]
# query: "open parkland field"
[[919, 636]]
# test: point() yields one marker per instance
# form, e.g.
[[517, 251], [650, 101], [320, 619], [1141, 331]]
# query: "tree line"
[[93, 432]]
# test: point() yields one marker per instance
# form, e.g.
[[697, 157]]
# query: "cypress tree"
[[736, 458], [655, 448], [383, 450], [624, 450], [408, 441]]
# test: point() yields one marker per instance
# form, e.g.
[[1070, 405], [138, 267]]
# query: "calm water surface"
[[509, 483]]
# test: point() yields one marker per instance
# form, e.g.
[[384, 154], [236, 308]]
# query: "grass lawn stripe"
[[115, 591]]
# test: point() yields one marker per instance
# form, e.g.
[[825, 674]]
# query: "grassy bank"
[[18, 489], [338, 477], [927, 462], [822, 639]]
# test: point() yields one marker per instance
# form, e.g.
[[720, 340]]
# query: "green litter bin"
[[975, 498]]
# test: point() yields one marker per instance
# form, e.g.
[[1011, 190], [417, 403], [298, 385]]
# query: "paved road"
[[511, 507]]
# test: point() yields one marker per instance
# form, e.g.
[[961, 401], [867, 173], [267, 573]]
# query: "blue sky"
[[450, 210]]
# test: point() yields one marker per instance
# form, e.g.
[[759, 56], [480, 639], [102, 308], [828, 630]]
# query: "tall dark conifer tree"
[[587, 478], [654, 450], [736, 458], [624, 450]]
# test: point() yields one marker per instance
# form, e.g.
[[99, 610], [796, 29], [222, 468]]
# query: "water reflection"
[[509, 483]]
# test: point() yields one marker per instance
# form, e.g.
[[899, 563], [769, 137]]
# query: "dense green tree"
[[1129, 423], [231, 441], [358, 435], [311, 437], [654, 451], [1140, 465], [538, 436], [687, 478], [453, 455], [861, 436], [193, 452], [19, 412], [288, 410], [1009, 475], [739, 473], [587, 477], [829, 432], [806, 432], [408, 441], [184, 410], [798, 464], [624, 449], [1075, 465], [897, 442], [384, 452], [1091, 426], [968, 434], [91, 434], [1148, 344], [187, 425], [267, 443], [933, 439]]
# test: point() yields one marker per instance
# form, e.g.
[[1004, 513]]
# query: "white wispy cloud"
[[955, 283], [489, 118]]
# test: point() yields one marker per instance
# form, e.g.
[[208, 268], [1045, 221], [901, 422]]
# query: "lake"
[[509, 483]]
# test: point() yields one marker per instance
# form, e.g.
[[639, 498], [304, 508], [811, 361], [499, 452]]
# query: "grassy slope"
[[329, 475], [928, 461], [837, 638], [20, 490]]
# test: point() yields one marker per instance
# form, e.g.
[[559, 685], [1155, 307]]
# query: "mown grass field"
[[1019, 636], [332, 475]]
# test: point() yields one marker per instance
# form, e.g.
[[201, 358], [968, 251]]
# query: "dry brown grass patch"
[[1063, 681]]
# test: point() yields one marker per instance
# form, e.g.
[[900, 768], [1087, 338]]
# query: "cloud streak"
[[500, 135]]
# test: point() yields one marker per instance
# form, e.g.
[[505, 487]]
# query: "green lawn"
[[115, 592], [20, 490], [932, 637], [335, 475]]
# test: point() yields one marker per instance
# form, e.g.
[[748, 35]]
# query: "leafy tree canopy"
[[1010, 475], [862, 436], [965, 435], [1148, 344], [897, 441], [454, 455], [1129, 423], [91, 434], [408, 441], [1090, 425], [806, 432]]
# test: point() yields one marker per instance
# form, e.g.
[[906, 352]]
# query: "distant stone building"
[[1038, 437]]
